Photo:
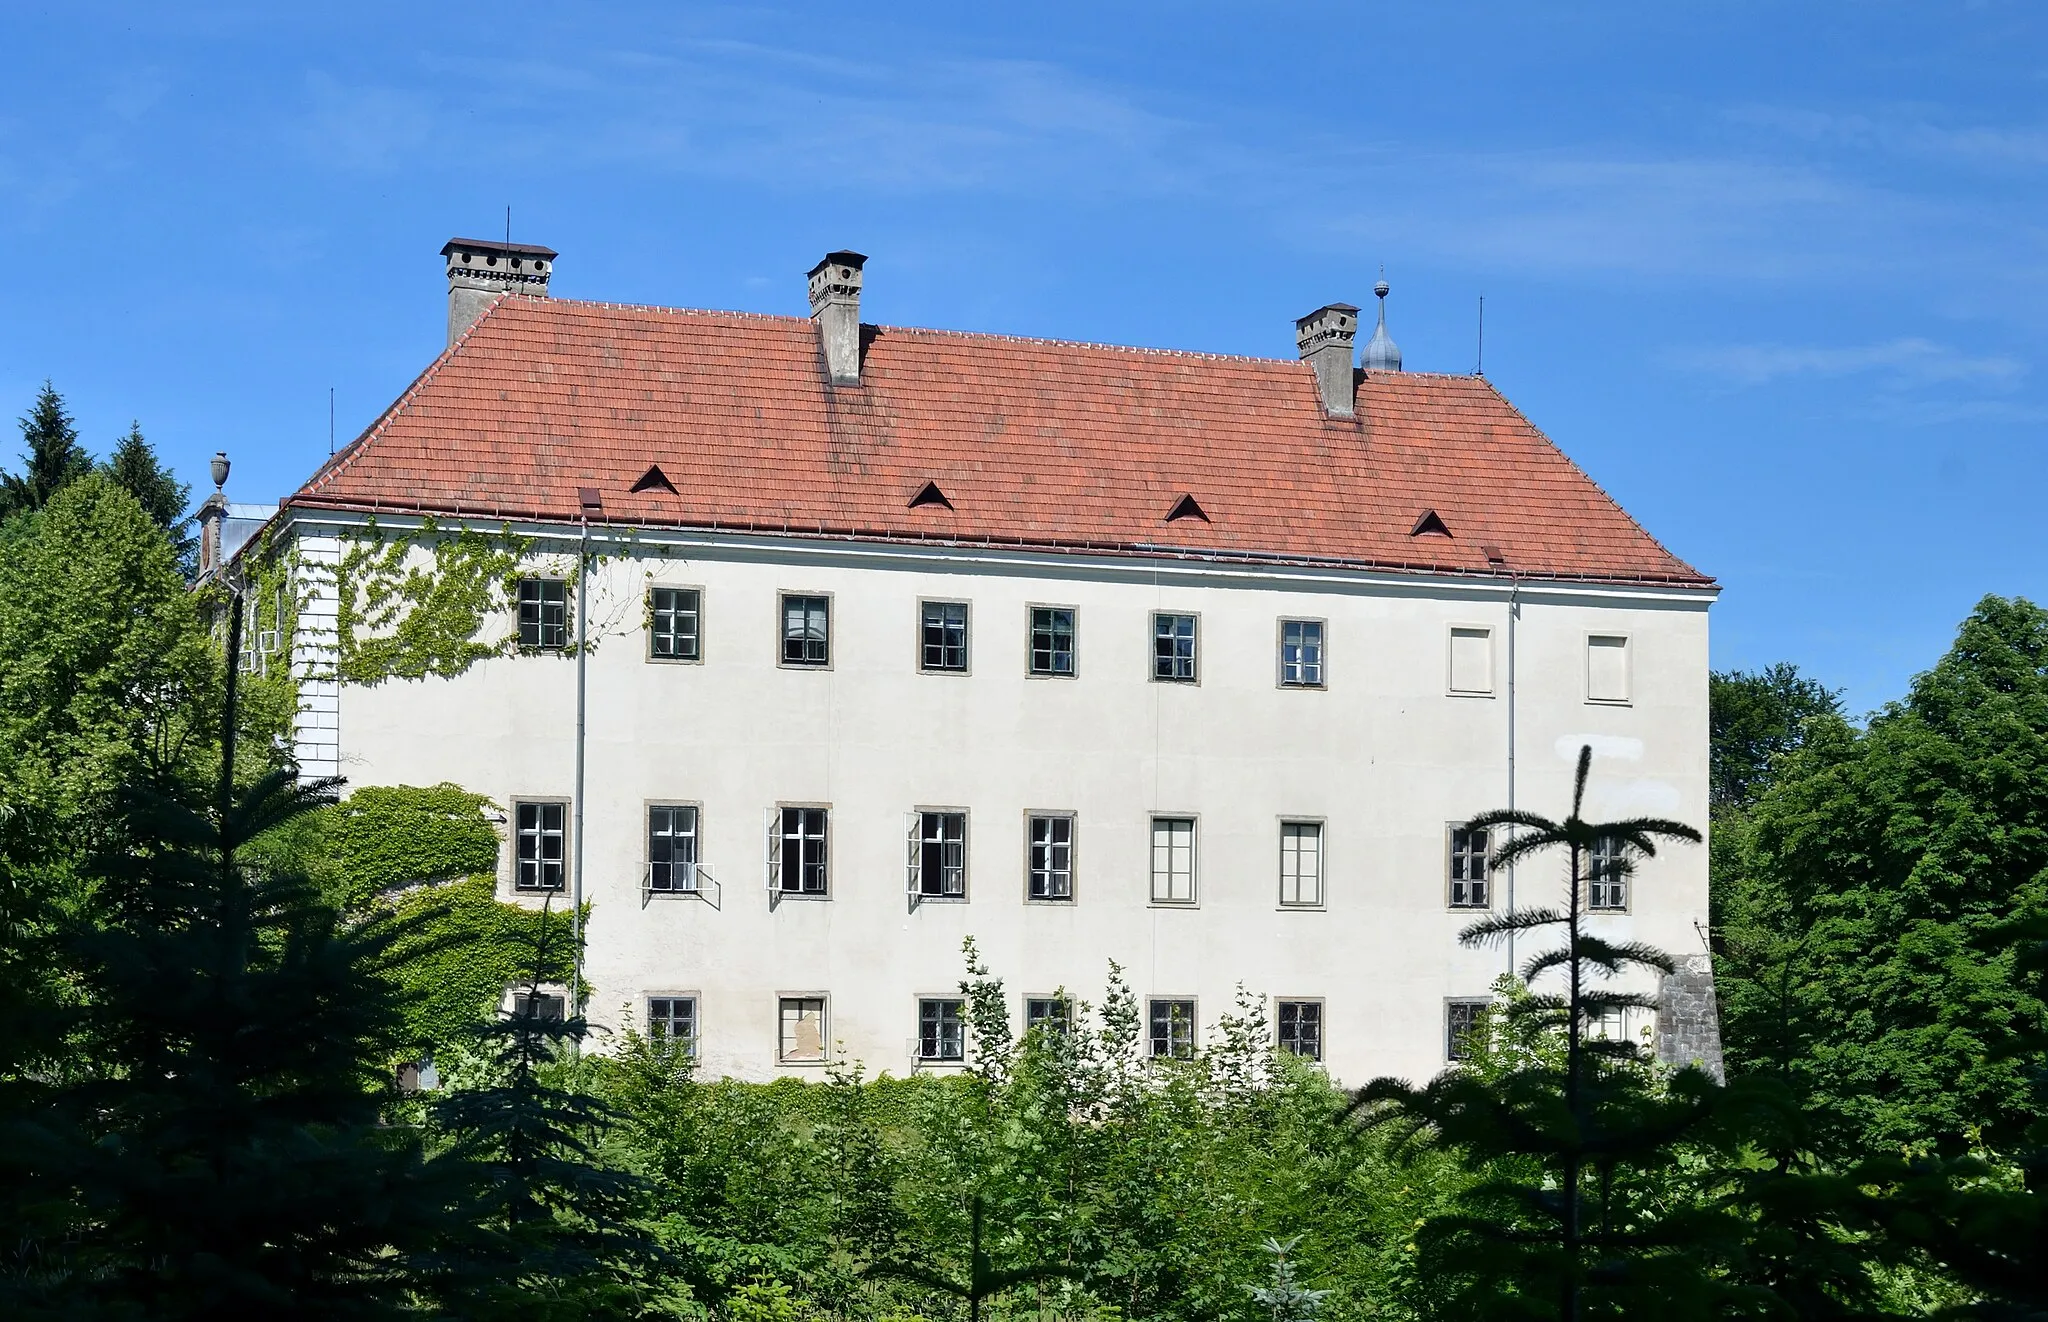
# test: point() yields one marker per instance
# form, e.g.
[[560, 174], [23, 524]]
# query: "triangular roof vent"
[[655, 480], [1187, 508], [929, 494], [1429, 523]]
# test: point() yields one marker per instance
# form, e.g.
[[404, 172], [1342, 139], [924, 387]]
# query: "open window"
[[936, 855]]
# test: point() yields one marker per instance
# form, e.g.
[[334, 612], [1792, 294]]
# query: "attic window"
[[588, 498], [1186, 508], [929, 494], [655, 480], [1428, 524]]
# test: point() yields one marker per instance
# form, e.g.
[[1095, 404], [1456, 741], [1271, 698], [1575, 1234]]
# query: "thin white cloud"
[[1910, 359]]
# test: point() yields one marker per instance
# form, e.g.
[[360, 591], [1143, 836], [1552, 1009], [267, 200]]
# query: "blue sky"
[[1775, 273]]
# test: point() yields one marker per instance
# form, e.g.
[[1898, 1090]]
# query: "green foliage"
[[135, 468], [400, 619], [217, 1143], [385, 837], [1755, 718], [52, 458], [1867, 879], [106, 674]]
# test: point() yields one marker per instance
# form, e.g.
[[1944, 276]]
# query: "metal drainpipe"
[[582, 661], [1514, 610]]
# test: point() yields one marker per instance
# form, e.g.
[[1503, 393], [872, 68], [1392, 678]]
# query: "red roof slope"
[[1032, 442]]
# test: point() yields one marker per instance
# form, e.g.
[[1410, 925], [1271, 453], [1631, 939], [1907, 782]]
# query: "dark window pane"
[[674, 624], [1052, 640], [1173, 648], [944, 636], [806, 631]]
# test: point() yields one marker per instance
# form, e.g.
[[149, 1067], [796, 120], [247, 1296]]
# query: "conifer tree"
[[134, 466], [231, 1159], [52, 458], [1569, 1223]]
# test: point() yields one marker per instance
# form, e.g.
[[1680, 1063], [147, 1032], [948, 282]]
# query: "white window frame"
[[782, 599], [1280, 1007], [1452, 633], [1322, 860], [801, 998], [1628, 668], [696, 1017], [924, 830], [689, 882], [1452, 858], [1192, 1020], [540, 834], [940, 1037], [777, 830], [1321, 664], [1031, 669], [1170, 900], [1031, 847], [966, 609], [1194, 675], [1062, 1013], [653, 614]]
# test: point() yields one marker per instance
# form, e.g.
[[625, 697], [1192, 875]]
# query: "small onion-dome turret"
[[1381, 353]]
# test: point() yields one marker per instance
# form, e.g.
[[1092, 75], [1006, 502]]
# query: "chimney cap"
[[844, 257], [454, 246]]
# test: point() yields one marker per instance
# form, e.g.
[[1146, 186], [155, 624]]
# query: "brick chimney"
[[481, 269], [1324, 338], [212, 514], [835, 307]]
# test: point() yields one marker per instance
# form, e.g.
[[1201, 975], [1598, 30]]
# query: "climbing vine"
[[400, 616]]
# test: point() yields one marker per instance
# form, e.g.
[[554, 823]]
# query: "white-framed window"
[[1173, 860], [1607, 668], [1301, 654], [806, 629], [1173, 648], [543, 613], [1055, 1014], [1049, 861], [1462, 1017], [800, 1036], [540, 853], [1470, 881], [675, 624], [937, 854], [942, 636], [673, 1019], [1607, 870], [1172, 1024], [1052, 641], [547, 1004], [1471, 659], [1299, 1028], [1301, 863], [941, 1030], [796, 850], [671, 847]]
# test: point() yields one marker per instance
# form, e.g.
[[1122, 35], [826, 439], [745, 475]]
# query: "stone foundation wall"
[[1689, 1016]]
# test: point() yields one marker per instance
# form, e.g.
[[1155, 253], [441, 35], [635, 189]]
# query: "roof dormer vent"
[[929, 494], [1187, 508], [1428, 524], [654, 480]]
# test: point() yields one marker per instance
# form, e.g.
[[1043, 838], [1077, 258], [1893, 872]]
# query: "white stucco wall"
[[1384, 755]]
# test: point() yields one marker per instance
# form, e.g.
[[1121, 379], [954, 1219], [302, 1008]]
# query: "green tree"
[[558, 1230], [1868, 877], [1754, 718], [1575, 1220], [135, 468], [52, 458], [107, 676]]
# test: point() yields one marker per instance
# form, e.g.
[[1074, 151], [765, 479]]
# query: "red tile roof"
[[1033, 443]]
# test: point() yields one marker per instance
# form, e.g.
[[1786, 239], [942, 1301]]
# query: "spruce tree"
[[1577, 1146], [232, 1159], [134, 466], [52, 458]]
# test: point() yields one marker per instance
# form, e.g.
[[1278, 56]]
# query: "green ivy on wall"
[[397, 618]]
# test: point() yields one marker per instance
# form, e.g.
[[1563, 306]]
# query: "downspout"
[[582, 662], [1514, 612]]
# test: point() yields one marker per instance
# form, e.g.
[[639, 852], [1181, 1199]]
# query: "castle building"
[[864, 640]]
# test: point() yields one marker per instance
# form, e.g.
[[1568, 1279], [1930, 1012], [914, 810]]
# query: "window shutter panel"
[[774, 850], [913, 837]]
